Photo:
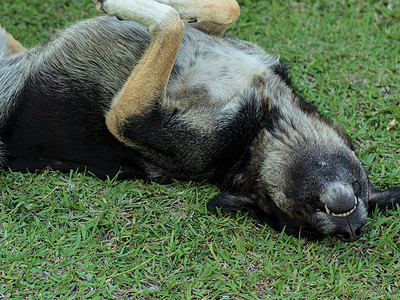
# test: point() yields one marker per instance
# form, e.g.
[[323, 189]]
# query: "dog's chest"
[[210, 76]]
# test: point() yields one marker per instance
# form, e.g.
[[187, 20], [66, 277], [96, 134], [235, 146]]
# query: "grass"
[[72, 236]]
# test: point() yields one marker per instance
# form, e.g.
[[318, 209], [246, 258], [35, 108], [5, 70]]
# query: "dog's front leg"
[[211, 16], [146, 87]]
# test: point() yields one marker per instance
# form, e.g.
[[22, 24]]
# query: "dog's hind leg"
[[145, 89], [211, 16], [13, 45]]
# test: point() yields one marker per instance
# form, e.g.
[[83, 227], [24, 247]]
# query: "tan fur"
[[14, 46], [227, 115], [147, 84], [213, 17]]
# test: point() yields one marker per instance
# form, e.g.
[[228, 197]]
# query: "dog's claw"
[[193, 20]]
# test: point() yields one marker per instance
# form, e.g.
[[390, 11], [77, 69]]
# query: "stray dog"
[[151, 98]]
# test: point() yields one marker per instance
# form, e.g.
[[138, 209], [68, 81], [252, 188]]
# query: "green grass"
[[72, 236]]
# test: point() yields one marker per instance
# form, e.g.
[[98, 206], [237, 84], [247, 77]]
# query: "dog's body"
[[64, 100], [219, 109]]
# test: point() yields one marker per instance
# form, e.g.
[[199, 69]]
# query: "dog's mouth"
[[325, 209]]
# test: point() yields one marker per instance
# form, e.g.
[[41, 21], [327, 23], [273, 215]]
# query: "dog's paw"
[[155, 16]]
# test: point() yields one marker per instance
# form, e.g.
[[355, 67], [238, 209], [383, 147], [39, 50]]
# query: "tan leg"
[[211, 16], [13, 45], [146, 87]]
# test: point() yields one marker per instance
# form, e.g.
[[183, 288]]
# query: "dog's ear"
[[383, 200], [234, 202]]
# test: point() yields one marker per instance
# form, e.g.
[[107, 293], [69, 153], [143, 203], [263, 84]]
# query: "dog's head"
[[313, 190]]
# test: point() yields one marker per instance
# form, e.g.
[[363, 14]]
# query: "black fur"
[[271, 152]]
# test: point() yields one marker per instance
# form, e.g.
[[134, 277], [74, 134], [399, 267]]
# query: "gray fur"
[[296, 163], [14, 71], [3, 43]]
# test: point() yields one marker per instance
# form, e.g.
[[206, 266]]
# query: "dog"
[[156, 90]]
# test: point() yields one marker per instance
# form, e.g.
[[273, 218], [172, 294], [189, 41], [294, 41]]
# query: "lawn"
[[73, 236]]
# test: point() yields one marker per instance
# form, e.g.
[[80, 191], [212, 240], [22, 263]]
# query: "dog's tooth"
[[327, 210]]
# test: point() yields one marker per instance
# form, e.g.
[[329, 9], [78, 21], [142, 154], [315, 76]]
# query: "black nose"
[[350, 233]]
